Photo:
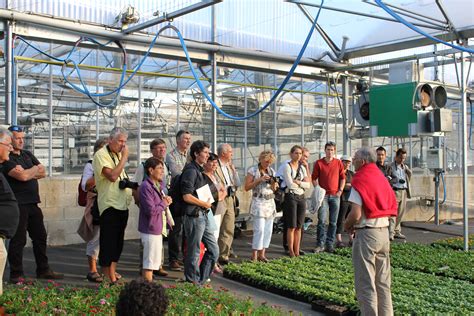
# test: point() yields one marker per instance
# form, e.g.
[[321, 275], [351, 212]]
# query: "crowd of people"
[[189, 195]]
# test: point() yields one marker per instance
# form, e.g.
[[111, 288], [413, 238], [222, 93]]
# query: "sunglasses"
[[15, 128]]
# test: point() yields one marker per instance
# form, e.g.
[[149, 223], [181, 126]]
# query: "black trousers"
[[112, 232], [344, 210], [175, 239], [31, 221]]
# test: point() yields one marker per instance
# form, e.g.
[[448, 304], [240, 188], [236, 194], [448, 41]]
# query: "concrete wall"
[[62, 215]]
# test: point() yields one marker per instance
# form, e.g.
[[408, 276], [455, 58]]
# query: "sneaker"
[[318, 249], [162, 272], [340, 244], [329, 249], [175, 266], [217, 268], [50, 274], [399, 236], [233, 255]]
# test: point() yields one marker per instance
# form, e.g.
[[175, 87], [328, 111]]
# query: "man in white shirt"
[[401, 175], [372, 204], [228, 175]]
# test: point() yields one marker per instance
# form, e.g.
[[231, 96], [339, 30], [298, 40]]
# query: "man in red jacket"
[[372, 204]]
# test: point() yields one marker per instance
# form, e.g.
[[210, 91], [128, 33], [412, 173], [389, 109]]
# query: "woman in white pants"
[[261, 180]]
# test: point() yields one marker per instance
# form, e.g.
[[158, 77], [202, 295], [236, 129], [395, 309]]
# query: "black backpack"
[[175, 189]]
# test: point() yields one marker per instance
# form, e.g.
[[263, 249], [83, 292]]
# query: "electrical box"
[[434, 158], [441, 120]]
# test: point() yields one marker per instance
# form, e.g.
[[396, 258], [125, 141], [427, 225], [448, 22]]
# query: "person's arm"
[[353, 217], [342, 179], [112, 174], [23, 175], [290, 183], [147, 201], [191, 199], [251, 182], [41, 172]]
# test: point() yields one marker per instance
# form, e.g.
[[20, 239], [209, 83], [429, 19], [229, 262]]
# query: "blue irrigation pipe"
[[420, 31], [273, 98]]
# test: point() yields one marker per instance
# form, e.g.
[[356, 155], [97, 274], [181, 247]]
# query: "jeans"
[[175, 239], [331, 205], [198, 229], [31, 221]]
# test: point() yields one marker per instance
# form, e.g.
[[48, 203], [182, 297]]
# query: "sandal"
[[118, 276], [94, 277], [263, 259]]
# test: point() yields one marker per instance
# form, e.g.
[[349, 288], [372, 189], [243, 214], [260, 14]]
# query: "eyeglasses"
[[15, 128]]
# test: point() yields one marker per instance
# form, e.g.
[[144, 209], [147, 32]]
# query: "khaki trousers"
[[3, 261], [372, 279], [395, 223], [226, 234]]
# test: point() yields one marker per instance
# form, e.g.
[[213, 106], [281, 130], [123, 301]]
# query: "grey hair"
[[222, 148], [4, 133], [116, 131], [366, 154]]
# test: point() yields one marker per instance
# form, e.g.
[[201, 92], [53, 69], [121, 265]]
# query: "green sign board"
[[391, 109]]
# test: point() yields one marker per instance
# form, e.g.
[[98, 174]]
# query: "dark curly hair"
[[142, 298]]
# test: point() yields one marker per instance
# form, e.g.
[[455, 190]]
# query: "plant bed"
[[456, 243], [434, 260], [329, 278], [184, 299]]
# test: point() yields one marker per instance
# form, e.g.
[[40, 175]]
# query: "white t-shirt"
[[355, 198]]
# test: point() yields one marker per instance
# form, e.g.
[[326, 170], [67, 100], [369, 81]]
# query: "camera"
[[126, 183], [231, 191], [401, 181], [274, 179]]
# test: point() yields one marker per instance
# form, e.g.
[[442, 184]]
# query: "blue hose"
[[418, 30], [273, 98], [123, 82]]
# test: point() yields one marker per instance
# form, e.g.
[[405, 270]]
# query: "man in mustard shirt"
[[113, 196]]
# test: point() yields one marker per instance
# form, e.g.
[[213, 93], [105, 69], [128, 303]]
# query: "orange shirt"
[[328, 174]]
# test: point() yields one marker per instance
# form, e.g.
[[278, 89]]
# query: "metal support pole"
[[345, 115], [214, 82], [245, 124], [50, 116], [411, 150], [464, 155], [275, 128], [97, 126], [139, 118], [178, 98], [327, 110], [302, 113], [436, 206], [9, 74]]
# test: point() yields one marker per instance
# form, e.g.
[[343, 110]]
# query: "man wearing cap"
[[345, 205], [328, 172], [372, 204], [22, 172]]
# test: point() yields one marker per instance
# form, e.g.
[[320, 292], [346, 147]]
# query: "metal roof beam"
[[359, 13], [170, 16]]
